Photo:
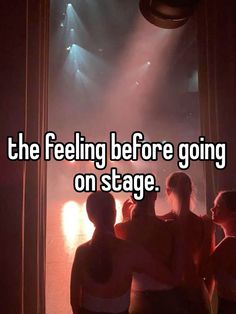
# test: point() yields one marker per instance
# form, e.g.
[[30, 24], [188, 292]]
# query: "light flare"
[[119, 217], [70, 223]]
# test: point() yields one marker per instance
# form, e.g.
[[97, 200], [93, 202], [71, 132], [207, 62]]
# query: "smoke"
[[118, 72]]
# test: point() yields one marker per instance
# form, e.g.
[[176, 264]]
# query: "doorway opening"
[[111, 70]]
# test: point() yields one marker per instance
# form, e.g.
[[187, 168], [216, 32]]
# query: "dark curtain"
[[23, 81], [217, 84]]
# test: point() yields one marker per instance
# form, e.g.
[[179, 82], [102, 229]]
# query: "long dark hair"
[[101, 211]]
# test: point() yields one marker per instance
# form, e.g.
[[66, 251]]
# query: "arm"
[[119, 232], [219, 261], [156, 268], [143, 262], [75, 287], [208, 246], [178, 252], [208, 275], [127, 209]]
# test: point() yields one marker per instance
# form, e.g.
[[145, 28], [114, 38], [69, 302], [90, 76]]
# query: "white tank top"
[[142, 282]]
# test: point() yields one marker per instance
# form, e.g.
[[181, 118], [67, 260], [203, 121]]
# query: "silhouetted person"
[[222, 262], [198, 244], [103, 267], [156, 236]]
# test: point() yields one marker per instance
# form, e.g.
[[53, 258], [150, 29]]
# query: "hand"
[[126, 209]]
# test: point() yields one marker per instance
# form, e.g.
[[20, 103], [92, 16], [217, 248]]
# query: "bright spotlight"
[[167, 14], [62, 24], [148, 63], [75, 222], [68, 48], [72, 29], [69, 5]]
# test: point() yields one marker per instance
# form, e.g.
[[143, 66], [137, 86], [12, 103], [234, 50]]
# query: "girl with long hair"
[[198, 244], [222, 262], [103, 267], [149, 295]]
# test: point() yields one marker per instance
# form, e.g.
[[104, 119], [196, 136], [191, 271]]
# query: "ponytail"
[[101, 211], [99, 262]]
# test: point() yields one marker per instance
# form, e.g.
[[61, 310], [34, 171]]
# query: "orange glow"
[[118, 211], [70, 223], [75, 225]]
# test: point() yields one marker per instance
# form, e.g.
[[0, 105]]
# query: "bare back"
[[120, 280], [126, 259]]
